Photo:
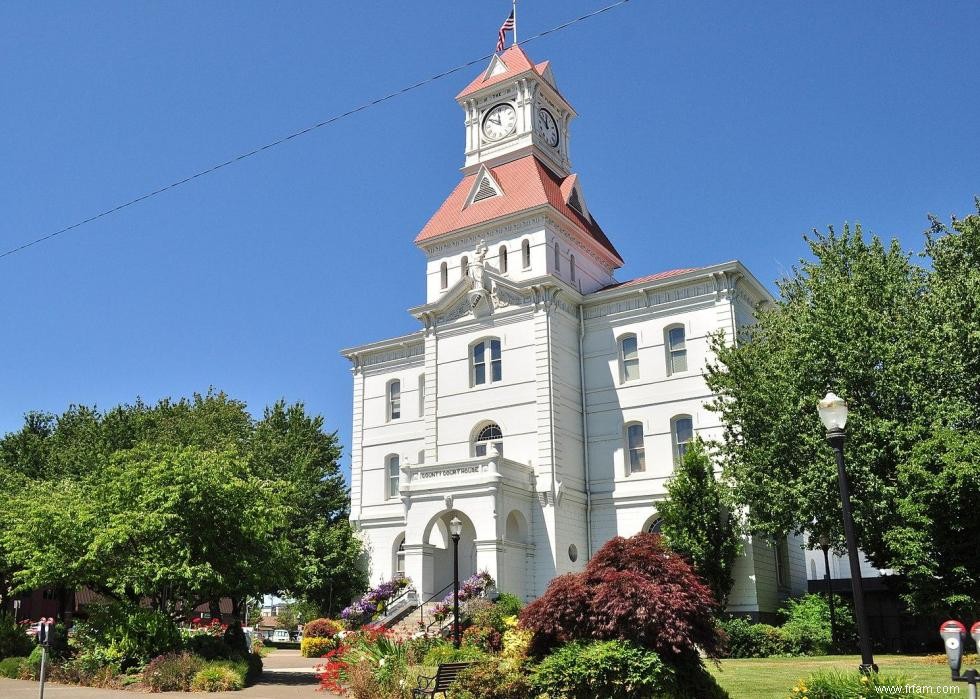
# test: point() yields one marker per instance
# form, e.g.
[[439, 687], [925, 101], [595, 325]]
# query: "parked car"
[[280, 636]]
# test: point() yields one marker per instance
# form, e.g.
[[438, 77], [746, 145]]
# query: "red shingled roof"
[[516, 61], [651, 278], [526, 183]]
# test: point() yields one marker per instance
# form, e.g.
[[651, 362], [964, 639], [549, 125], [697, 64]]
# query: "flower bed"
[[373, 603], [471, 588]]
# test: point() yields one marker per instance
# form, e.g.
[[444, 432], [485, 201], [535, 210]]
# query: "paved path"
[[286, 675]]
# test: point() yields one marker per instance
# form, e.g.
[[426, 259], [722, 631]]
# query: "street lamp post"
[[825, 547], [455, 529], [833, 414]]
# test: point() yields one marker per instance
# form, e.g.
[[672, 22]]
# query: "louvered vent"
[[575, 202], [485, 191]]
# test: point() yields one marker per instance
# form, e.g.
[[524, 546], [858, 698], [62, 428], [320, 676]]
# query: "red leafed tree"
[[633, 589]]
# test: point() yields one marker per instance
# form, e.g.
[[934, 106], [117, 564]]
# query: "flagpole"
[[515, 21]]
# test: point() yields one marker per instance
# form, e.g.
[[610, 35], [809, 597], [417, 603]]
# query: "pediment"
[[468, 297], [496, 67]]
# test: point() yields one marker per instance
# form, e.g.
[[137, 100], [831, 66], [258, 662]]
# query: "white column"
[[418, 568], [489, 557]]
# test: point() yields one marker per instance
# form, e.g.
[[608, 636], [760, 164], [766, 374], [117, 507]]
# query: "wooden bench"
[[445, 675]]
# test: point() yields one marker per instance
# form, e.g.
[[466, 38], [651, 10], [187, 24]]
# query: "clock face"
[[499, 121], [546, 126]]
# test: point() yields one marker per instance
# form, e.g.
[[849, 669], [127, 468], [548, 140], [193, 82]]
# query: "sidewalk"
[[286, 675]]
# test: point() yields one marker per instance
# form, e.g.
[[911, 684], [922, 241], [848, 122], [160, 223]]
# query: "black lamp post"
[[825, 547], [833, 414], [455, 529]]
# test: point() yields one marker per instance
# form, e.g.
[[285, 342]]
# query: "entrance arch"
[[436, 535]]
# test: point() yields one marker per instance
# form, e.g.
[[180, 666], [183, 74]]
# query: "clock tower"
[[514, 109]]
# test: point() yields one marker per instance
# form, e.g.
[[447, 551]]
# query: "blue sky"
[[707, 131]]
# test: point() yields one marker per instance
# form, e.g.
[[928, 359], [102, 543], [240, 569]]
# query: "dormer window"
[[502, 259]]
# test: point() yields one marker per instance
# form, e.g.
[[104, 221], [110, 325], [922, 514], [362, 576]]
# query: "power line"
[[303, 132]]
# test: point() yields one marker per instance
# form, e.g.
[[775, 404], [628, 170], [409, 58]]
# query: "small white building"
[[542, 402]]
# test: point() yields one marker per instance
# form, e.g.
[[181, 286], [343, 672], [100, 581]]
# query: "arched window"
[[394, 399], [502, 259], [489, 435], [443, 275], [655, 526], [393, 474], [681, 434], [421, 395], [629, 358], [676, 349], [464, 266], [557, 258], [400, 559], [635, 452], [483, 353], [526, 254], [571, 266]]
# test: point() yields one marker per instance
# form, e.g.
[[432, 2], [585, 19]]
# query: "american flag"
[[507, 26]]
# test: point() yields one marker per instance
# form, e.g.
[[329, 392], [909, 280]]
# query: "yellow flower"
[[864, 679]]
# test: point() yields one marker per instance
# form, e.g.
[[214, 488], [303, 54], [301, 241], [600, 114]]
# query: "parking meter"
[[953, 634]]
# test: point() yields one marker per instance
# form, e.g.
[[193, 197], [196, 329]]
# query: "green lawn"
[[764, 678]]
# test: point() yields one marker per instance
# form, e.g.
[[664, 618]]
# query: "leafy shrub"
[[216, 677], [807, 626], [136, 633], [633, 590], [492, 678], [516, 643], [508, 604], [14, 641], [13, 668], [748, 640], [608, 669], [315, 647], [445, 653], [322, 628], [486, 638], [208, 647], [172, 672], [852, 685], [95, 666], [621, 670], [416, 648], [361, 683], [34, 662]]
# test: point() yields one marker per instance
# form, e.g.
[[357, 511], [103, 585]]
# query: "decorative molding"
[[649, 298], [408, 351]]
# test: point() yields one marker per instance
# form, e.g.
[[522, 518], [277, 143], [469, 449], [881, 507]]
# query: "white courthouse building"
[[542, 402]]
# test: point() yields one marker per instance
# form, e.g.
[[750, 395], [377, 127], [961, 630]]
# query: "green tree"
[[184, 501], [697, 520], [900, 343]]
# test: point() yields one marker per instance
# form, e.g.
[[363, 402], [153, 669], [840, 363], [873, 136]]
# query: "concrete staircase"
[[407, 626]]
